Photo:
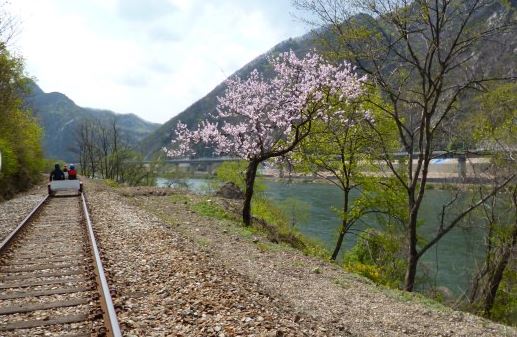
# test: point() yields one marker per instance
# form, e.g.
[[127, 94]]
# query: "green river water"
[[448, 264]]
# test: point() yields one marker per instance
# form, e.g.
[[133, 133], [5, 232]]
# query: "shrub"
[[376, 255], [20, 134]]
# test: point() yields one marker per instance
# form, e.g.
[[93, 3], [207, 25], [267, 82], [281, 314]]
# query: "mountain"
[[496, 57], [59, 117]]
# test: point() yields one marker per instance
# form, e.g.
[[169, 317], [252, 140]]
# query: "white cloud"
[[152, 58], [137, 10]]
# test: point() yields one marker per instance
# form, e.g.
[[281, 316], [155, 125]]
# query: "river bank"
[[446, 268]]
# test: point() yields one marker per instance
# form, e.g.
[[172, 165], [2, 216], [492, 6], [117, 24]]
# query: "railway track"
[[51, 280]]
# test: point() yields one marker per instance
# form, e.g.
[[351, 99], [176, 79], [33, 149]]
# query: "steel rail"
[[11, 236], [110, 316]]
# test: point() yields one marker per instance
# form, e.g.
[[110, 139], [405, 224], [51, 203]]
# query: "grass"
[[275, 223], [111, 183], [415, 297], [245, 232], [208, 208], [263, 247], [272, 247], [300, 264], [179, 198], [269, 222]]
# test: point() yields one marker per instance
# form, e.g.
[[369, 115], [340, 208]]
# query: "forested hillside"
[[498, 56], [60, 117]]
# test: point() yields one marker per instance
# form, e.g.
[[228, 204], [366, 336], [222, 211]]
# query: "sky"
[[153, 58]]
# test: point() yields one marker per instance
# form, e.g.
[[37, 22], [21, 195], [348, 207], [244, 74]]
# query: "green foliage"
[[9, 162], [133, 171], [345, 149], [387, 198], [497, 128], [315, 248], [505, 306], [111, 183], [494, 126], [232, 171], [376, 256], [20, 134], [235, 172]]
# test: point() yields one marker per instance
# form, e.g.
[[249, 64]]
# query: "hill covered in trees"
[[497, 57], [60, 118]]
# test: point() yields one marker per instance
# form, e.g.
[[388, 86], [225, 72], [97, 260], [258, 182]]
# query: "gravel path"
[[165, 286]]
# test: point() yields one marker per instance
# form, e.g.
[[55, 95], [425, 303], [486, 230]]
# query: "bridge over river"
[[445, 166]]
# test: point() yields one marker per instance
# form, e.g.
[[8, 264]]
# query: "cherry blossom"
[[256, 116], [259, 119]]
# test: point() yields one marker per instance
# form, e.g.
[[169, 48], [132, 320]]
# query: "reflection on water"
[[449, 263]]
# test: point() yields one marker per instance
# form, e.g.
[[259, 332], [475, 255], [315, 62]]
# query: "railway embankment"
[[174, 271]]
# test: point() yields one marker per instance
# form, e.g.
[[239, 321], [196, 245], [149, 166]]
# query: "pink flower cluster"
[[256, 117]]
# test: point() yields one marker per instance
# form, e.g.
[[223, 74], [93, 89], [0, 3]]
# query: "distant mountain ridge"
[[500, 56], [59, 117]]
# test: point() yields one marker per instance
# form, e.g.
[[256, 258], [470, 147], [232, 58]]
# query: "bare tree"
[[104, 154], [116, 158], [422, 56], [8, 25], [497, 131], [501, 239], [86, 143]]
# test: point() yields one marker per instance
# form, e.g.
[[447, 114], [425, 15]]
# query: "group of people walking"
[[65, 173]]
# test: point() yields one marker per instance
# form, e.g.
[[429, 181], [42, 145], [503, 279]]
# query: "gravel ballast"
[[13, 211]]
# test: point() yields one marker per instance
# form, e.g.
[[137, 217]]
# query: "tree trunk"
[[495, 280], [342, 232], [339, 241], [251, 173], [409, 281]]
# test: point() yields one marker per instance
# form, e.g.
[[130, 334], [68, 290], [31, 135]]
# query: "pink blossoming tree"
[[260, 119]]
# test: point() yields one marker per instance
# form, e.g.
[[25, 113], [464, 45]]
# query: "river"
[[448, 264]]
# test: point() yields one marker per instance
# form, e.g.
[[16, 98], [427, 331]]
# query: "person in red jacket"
[[72, 173]]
